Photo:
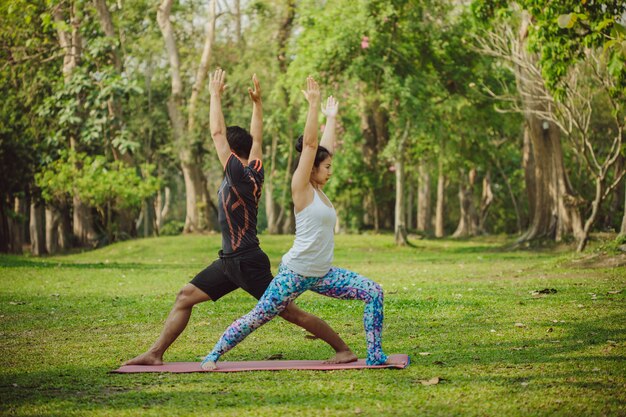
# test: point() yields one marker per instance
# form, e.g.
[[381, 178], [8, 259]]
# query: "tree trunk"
[[198, 212], [271, 208], [528, 163], [162, 208], [622, 231], [125, 217], [5, 235], [37, 229], [52, 230], [518, 216], [468, 221], [424, 216], [279, 208], [82, 225], [19, 225], [409, 207], [441, 195], [554, 206], [485, 203], [65, 228], [400, 214], [399, 225], [15, 224]]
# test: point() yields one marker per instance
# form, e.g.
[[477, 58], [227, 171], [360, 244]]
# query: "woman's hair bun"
[[299, 143]]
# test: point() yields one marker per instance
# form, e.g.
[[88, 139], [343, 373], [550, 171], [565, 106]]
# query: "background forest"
[[457, 118]]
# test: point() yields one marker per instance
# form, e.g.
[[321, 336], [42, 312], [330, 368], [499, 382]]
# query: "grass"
[[498, 349]]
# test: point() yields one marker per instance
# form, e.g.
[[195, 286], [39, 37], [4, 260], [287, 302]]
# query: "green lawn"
[[463, 310]]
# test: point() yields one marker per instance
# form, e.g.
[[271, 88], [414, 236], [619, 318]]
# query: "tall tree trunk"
[[198, 212], [554, 206], [399, 210], [71, 43], [37, 228], [441, 194], [125, 217], [468, 220], [424, 216], [374, 128], [279, 209]]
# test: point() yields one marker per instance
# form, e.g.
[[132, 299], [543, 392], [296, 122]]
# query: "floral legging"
[[288, 285]]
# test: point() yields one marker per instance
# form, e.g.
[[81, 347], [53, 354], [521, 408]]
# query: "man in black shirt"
[[242, 263]]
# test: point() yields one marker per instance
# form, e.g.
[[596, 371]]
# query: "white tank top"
[[312, 252]]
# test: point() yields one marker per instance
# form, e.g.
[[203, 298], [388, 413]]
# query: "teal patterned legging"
[[287, 286]]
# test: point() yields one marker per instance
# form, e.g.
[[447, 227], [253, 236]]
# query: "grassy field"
[[464, 311]]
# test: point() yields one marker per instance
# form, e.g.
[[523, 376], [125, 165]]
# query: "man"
[[242, 263]]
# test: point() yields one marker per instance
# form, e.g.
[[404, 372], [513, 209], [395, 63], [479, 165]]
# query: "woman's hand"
[[332, 106]]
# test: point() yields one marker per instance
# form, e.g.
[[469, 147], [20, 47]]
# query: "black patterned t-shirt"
[[238, 204]]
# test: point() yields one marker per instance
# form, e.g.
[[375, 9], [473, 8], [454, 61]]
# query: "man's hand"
[[312, 92], [332, 106], [216, 82], [255, 94]]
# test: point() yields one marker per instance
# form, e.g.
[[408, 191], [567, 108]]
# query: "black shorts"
[[249, 270]]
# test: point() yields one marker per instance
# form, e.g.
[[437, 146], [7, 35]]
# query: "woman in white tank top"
[[308, 264]]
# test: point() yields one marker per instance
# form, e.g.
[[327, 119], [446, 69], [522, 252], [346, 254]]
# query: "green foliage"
[[96, 181], [172, 228]]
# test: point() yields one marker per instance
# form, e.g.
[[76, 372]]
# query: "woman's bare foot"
[[147, 358], [342, 357], [208, 365]]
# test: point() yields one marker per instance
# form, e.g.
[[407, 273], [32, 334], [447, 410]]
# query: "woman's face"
[[321, 174]]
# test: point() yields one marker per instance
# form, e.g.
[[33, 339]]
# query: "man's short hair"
[[239, 140]]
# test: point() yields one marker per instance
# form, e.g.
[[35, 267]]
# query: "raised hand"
[[216, 82], [331, 108], [312, 92], [255, 94]]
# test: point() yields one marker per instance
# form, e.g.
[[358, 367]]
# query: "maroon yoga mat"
[[398, 361]]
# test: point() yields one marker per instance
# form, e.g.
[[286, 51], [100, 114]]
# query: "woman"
[[307, 265]]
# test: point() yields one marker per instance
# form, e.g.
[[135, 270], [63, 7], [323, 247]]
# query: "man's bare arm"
[[216, 117]]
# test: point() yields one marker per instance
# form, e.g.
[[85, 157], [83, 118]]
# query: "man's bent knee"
[[189, 296]]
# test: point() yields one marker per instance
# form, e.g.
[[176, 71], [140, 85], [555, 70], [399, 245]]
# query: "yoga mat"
[[399, 361]]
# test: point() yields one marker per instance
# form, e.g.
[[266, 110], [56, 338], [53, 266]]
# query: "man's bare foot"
[[147, 358], [342, 357], [208, 365]]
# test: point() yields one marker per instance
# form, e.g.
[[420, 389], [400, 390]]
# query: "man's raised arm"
[[216, 117]]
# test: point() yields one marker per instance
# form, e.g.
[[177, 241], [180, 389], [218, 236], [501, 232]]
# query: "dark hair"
[[320, 156], [239, 140]]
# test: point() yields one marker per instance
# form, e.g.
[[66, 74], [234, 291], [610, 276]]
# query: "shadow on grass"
[[21, 262]]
